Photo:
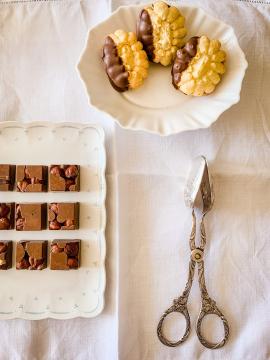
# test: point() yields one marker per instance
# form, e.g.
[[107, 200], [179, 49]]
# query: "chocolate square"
[[31, 178], [65, 254], [7, 177], [63, 216], [5, 254], [7, 216], [30, 217], [31, 255], [64, 178]]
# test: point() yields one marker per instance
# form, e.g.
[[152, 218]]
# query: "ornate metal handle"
[[179, 306], [209, 307]]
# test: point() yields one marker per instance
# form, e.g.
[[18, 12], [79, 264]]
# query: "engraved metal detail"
[[209, 307], [179, 305]]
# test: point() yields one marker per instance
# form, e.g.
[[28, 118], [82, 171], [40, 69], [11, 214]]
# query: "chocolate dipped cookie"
[[161, 29], [198, 66], [125, 60]]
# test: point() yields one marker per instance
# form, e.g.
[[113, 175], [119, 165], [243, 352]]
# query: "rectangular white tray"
[[58, 294]]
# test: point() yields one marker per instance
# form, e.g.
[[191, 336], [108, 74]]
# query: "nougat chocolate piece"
[[63, 216], [65, 254], [31, 178], [30, 217], [64, 178], [5, 254], [7, 177], [31, 255], [7, 216]]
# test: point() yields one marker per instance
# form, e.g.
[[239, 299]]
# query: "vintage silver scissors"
[[199, 183]]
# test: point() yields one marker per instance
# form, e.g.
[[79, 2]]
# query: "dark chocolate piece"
[[5, 254], [115, 69], [7, 177], [30, 217], [31, 178], [65, 254], [31, 255], [145, 33], [182, 59], [64, 178], [63, 216], [7, 216]]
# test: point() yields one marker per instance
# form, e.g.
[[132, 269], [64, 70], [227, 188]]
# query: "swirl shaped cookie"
[[125, 60], [161, 29], [198, 66]]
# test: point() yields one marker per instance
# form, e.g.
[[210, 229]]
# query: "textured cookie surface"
[[161, 29], [125, 60], [198, 66]]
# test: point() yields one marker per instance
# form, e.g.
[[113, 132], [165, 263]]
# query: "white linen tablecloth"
[[148, 224]]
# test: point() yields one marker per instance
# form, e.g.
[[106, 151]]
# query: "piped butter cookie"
[[161, 29], [125, 60], [198, 66]]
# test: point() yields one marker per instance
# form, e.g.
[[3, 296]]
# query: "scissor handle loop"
[[211, 308], [178, 308]]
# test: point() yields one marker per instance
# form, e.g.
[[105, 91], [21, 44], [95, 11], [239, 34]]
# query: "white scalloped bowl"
[[156, 106]]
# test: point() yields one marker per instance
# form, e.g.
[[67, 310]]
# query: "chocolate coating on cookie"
[[115, 69], [183, 58], [145, 33]]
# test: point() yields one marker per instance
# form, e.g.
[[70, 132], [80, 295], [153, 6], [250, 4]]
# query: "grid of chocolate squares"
[[39, 216], [39, 178], [32, 254], [64, 254]]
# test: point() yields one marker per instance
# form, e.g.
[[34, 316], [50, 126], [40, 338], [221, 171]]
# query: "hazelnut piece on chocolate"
[[7, 216], [71, 171], [54, 225], [198, 66], [125, 61], [4, 224], [5, 254], [55, 170], [161, 29]]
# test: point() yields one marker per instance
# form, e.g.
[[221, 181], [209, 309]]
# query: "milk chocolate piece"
[[7, 177], [30, 217], [31, 255], [31, 178], [65, 254], [63, 216], [7, 216], [5, 254], [183, 58], [64, 178]]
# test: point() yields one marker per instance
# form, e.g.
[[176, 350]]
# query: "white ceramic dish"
[[58, 294], [156, 106]]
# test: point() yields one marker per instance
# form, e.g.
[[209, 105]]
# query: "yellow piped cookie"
[[161, 29], [199, 66], [125, 60]]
